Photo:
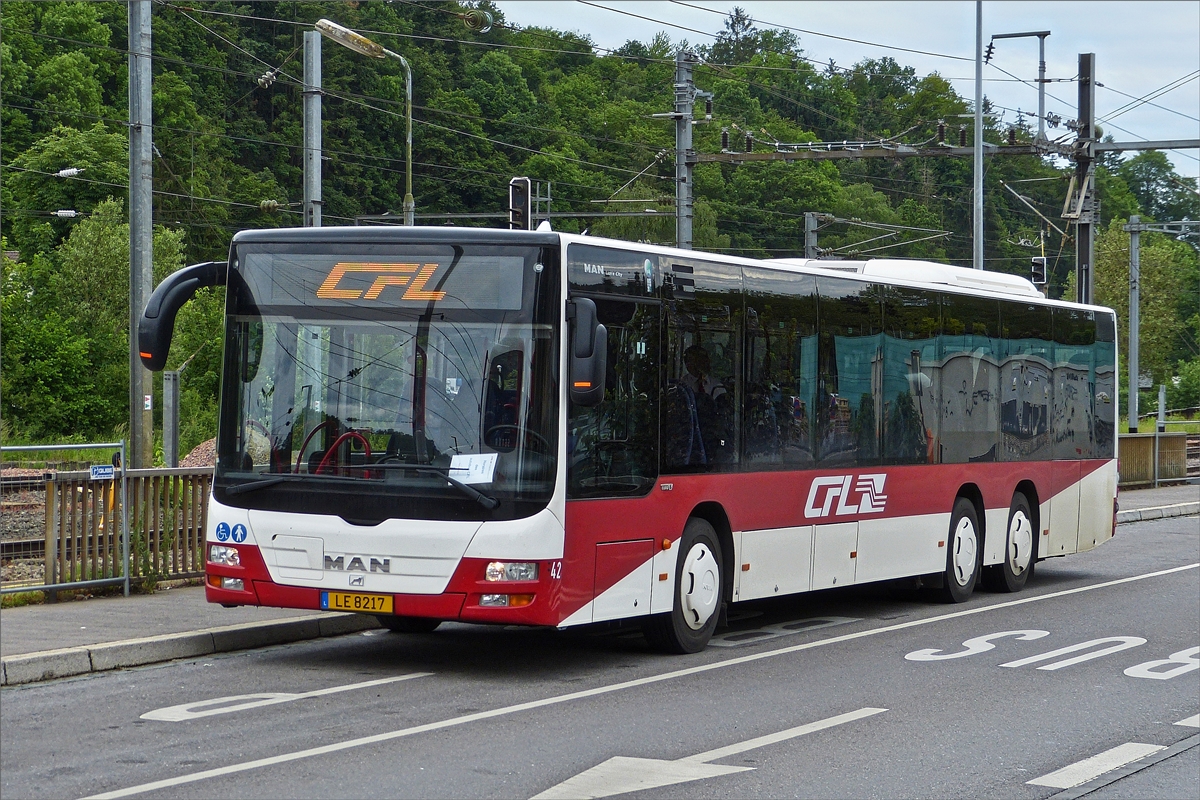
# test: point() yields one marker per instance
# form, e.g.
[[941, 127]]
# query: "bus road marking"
[[1089, 768], [583, 694], [227, 705], [747, 636], [622, 774]]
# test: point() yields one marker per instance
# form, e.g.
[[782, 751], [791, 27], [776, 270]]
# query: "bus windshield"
[[398, 382]]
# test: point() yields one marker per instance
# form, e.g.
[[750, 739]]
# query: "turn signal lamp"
[[512, 571], [228, 556], [506, 600]]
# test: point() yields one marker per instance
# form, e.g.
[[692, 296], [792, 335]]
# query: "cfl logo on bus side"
[[863, 495]]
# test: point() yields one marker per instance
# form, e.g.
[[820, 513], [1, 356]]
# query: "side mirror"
[[157, 325], [589, 353]]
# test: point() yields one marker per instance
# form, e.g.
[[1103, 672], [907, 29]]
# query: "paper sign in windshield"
[[473, 467]]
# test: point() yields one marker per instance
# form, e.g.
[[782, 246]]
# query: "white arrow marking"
[[623, 774], [241, 702]]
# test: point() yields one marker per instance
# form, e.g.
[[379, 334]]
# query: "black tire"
[[1020, 540], [963, 553], [699, 592], [408, 624]]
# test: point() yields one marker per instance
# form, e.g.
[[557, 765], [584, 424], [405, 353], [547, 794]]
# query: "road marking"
[[622, 774], [1191, 722], [1089, 768], [336, 747], [1184, 661], [756, 635], [227, 705], [1119, 643], [980, 644]]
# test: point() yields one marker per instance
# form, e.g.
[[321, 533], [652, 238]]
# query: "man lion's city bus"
[[537, 428]]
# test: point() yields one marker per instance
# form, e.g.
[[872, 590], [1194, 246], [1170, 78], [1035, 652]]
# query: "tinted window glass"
[[612, 448], [911, 376], [970, 351], [781, 368], [702, 360], [1072, 424], [1026, 387], [849, 373]]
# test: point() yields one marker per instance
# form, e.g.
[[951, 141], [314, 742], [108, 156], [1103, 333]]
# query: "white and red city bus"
[[538, 428]]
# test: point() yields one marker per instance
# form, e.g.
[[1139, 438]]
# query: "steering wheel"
[[537, 437]]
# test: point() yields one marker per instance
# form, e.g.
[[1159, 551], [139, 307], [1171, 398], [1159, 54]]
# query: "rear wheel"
[[408, 624], [1012, 574], [962, 557], [698, 594]]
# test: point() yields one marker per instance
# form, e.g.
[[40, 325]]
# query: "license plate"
[[348, 601]]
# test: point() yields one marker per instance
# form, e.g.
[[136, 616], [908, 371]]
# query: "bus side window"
[[503, 401]]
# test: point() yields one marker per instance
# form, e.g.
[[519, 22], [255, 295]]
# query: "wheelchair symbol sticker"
[[239, 533], [222, 531]]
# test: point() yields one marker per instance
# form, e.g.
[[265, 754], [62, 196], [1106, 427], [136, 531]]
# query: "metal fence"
[[85, 545], [1150, 458], [102, 525]]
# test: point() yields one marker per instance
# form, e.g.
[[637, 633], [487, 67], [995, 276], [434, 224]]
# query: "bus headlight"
[[227, 556], [512, 571]]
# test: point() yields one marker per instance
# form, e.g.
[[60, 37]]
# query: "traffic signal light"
[[520, 216], [1039, 270]]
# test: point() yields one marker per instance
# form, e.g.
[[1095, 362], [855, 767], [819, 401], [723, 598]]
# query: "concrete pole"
[[141, 230], [171, 418], [1134, 321], [312, 129], [1084, 166], [684, 96], [810, 234], [1041, 134], [977, 235]]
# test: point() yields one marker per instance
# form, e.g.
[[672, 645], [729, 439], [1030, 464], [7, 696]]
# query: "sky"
[[1141, 48]]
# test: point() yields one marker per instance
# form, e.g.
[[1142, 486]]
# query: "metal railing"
[[80, 519], [106, 526]]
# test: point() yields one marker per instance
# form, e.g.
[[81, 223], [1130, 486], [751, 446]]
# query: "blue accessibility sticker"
[[222, 531], [239, 533]]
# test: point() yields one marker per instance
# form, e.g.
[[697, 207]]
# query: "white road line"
[[1191, 722], [335, 747], [1089, 768], [782, 736], [622, 774], [226, 705]]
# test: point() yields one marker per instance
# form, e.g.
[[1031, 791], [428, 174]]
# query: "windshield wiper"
[[479, 497], [470, 491]]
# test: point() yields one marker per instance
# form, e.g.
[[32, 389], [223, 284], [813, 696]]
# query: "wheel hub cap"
[[965, 547], [1020, 543], [699, 586]]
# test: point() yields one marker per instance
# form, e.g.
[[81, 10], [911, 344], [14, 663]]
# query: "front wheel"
[[1012, 574], [408, 624], [962, 558], [698, 594]]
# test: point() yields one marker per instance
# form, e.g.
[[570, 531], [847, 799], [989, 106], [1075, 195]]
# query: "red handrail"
[[333, 449]]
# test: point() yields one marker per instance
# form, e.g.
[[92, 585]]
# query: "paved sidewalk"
[[42, 642]]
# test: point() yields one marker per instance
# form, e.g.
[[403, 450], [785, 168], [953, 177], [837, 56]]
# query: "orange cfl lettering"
[[417, 290], [385, 275]]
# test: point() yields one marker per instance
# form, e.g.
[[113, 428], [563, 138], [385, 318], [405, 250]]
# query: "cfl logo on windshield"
[[863, 495], [412, 276]]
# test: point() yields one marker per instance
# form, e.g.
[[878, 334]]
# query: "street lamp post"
[[361, 44]]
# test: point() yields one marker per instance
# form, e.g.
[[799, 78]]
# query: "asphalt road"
[[846, 693]]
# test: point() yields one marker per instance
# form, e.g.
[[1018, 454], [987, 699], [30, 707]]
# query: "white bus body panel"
[[1096, 491]]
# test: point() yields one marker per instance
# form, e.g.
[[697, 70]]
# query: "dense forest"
[[487, 106]]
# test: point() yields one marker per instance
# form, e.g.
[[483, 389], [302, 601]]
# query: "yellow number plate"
[[367, 603]]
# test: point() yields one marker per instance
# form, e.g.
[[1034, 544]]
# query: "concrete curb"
[[1158, 512], [50, 664]]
